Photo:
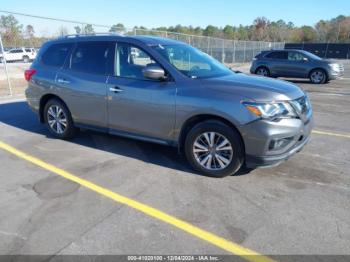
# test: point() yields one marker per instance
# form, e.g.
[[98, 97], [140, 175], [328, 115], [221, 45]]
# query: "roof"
[[148, 40]]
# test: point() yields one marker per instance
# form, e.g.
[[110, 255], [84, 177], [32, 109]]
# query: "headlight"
[[271, 110], [335, 67]]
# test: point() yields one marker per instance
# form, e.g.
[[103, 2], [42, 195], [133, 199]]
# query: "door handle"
[[116, 89], [62, 81]]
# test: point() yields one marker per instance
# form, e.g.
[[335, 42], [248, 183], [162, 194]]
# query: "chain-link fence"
[[20, 46], [224, 50]]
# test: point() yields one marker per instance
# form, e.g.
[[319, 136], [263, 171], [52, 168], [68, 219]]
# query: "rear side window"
[[277, 55], [56, 54], [91, 57], [28, 50], [16, 51]]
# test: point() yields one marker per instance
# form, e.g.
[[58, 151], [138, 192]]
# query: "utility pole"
[[5, 65]]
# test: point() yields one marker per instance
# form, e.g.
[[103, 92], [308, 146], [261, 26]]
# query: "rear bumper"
[[32, 100]]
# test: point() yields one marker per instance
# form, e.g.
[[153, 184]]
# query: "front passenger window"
[[294, 56], [130, 61]]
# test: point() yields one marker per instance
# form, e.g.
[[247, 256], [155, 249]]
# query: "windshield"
[[312, 56], [192, 62]]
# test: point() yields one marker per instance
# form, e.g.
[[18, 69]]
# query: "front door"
[[138, 106], [297, 66]]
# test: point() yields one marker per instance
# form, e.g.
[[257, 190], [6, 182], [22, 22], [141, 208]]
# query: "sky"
[[156, 13]]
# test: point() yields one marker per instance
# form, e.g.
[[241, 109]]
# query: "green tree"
[[241, 33], [211, 30], [10, 29], [304, 34], [117, 28], [229, 32], [88, 29], [77, 29]]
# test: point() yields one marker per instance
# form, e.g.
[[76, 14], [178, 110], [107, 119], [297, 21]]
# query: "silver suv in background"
[[167, 92], [296, 64]]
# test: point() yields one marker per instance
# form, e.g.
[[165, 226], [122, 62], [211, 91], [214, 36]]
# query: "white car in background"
[[24, 54]]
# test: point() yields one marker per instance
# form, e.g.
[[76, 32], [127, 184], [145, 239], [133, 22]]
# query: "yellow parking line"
[[330, 134], [220, 242]]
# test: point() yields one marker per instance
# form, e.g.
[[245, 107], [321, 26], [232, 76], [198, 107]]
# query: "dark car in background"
[[296, 64]]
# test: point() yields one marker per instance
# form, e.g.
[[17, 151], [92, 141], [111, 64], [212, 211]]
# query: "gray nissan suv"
[[167, 92], [296, 64]]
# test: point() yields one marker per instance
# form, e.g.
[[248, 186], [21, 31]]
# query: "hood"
[[255, 88], [330, 61]]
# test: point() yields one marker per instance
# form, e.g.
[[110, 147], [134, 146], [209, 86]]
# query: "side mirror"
[[154, 72], [305, 59]]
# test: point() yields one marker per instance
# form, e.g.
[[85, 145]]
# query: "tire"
[[262, 71], [64, 128], [318, 76], [228, 162], [26, 59]]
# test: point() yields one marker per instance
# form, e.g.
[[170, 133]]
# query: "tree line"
[[336, 30]]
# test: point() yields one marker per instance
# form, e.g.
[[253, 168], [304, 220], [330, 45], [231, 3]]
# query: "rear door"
[[82, 82], [136, 105], [51, 59]]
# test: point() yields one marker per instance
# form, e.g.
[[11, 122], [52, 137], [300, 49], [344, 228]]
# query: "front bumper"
[[335, 75], [269, 161], [259, 134]]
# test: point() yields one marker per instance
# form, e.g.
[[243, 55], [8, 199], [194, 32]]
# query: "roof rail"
[[93, 34]]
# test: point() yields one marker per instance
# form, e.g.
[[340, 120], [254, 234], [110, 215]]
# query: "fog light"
[[278, 144]]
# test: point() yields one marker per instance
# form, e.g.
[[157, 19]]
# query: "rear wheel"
[[318, 76], [263, 71], [214, 149], [59, 120]]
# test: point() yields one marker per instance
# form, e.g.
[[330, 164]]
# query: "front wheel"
[[318, 76], [59, 120], [262, 71], [214, 149]]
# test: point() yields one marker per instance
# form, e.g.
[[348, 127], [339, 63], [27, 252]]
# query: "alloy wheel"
[[317, 76], [57, 119], [213, 151], [262, 71]]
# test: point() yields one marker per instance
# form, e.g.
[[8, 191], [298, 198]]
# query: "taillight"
[[29, 73]]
